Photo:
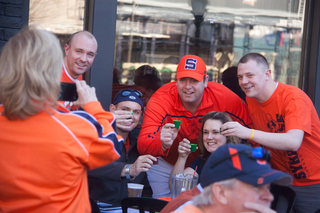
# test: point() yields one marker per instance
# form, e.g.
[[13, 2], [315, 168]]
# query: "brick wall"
[[14, 15]]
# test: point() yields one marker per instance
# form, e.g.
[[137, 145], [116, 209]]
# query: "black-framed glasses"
[[257, 153], [127, 92]]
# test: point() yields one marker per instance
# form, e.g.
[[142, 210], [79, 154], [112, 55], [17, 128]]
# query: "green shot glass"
[[193, 147], [176, 123], [130, 117]]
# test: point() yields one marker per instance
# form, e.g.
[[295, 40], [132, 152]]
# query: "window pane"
[[159, 33], [62, 17]]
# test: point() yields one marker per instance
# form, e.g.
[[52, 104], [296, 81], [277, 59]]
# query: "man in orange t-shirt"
[[80, 51], [286, 123]]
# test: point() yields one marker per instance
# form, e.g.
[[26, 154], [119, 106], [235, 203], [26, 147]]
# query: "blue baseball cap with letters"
[[129, 95], [249, 165]]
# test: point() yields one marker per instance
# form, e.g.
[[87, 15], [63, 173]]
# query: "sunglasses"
[[257, 153], [127, 92]]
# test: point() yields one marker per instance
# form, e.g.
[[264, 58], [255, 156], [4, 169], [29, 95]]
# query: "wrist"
[[164, 147], [127, 172], [252, 134]]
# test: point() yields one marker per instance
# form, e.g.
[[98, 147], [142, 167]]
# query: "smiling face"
[[190, 91], [212, 139], [80, 54], [127, 125], [253, 79]]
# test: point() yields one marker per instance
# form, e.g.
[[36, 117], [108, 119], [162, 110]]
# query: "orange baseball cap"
[[191, 66]]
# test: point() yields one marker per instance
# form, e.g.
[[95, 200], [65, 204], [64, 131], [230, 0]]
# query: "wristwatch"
[[126, 171]]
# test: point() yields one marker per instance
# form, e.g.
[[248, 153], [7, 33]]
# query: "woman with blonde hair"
[[45, 152]]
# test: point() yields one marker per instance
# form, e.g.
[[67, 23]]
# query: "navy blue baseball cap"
[[129, 95], [244, 163]]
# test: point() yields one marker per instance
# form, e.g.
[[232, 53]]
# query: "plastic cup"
[[182, 182], [135, 189], [193, 147], [176, 123]]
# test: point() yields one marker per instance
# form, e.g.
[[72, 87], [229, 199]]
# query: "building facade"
[[133, 33]]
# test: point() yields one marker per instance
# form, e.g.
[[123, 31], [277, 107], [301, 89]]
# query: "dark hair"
[[214, 115], [230, 79], [146, 69], [147, 77], [260, 59], [204, 78]]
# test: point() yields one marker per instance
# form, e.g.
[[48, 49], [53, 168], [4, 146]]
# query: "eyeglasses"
[[127, 92], [257, 153]]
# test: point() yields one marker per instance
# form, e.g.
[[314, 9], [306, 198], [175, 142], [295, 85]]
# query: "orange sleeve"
[[149, 137]]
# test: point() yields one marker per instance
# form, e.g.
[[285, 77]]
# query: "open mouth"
[[247, 88], [81, 65], [188, 93], [212, 143]]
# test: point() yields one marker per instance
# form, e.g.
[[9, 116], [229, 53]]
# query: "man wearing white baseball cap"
[[236, 178]]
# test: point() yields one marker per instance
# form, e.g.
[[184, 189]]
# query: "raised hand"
[[168, 135], [85, 93], [142, 164], [233, 128], [184, 148]]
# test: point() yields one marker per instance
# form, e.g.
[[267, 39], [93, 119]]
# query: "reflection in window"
[[62, 17], [159, 33]]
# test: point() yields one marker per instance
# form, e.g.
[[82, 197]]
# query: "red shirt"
[[190, 209], [182, 198], [165, 105]]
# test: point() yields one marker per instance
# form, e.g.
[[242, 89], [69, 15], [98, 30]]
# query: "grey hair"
[[205, 198]]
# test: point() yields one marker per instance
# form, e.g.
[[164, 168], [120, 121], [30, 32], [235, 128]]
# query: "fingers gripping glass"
[[127, 92], [257, 153]]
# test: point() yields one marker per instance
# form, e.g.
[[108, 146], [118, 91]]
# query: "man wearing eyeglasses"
[[286, 122], [187, 100], [109, 183], [236, 178], [80, 51]]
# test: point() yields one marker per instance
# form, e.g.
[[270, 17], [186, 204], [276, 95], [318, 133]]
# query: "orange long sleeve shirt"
[[44, 159], [165, 106]]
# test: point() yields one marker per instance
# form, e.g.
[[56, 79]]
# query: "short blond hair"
[[84, 32], [30, 71]]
